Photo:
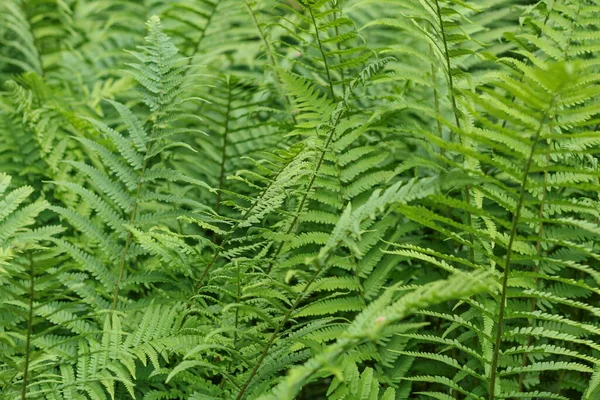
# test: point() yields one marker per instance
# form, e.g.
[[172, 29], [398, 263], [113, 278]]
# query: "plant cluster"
[[289, 199]]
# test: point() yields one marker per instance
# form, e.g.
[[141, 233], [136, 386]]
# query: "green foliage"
[[291, 199]]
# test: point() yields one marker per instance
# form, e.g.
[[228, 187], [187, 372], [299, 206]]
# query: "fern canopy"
[[299, 199]]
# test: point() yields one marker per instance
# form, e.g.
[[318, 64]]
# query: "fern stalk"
[[224, 149], [128, 241], [261, 32], [308, 189], [31, 293], [280, 326], [339, 49], [456, 116], [325, 147], [227, 237], [267, 45], [572, 30], [320, 44], [538, 248], [436, 99], [513, 235], [133, 214], [213, 11], [238, 296], [448, 65]]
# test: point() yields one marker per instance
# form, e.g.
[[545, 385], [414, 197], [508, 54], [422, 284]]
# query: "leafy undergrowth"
[[310, 199]]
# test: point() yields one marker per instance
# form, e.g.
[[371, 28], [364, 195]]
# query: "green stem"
[[133, 215], [320, 44], [224, 149], [128, 241], [436, 99], [270, 53], [226, 239], [456, 118], [339, 47], [31, 294], [538, 248], [513, 235], [203, 32], [325, 147], [308, 189], [236, 320], [280, 326], [322, 264], [448, 64]]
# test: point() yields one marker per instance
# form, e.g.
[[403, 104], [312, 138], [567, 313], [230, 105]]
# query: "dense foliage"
[[279, 199]]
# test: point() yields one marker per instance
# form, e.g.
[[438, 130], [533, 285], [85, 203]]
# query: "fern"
[[340, 199], [27, 268]]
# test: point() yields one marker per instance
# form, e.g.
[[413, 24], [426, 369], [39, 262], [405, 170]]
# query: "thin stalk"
[[448, 64], [325, 147], [538, 248], [308, 189], [320, 267], [203, 32], [154, 121], [129, 239], [280, 326], [236, 320], [561, 377], [132, 217], [224, 149], [436, 99], [513, 235], [456, 117], [237, 310], [31, 293], [288, 315], [320, 44], [339, 47], [226, 239], [270, 53], [540, 228]]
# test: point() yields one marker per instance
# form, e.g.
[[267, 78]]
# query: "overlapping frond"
[[26, 268], [518, 121]]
